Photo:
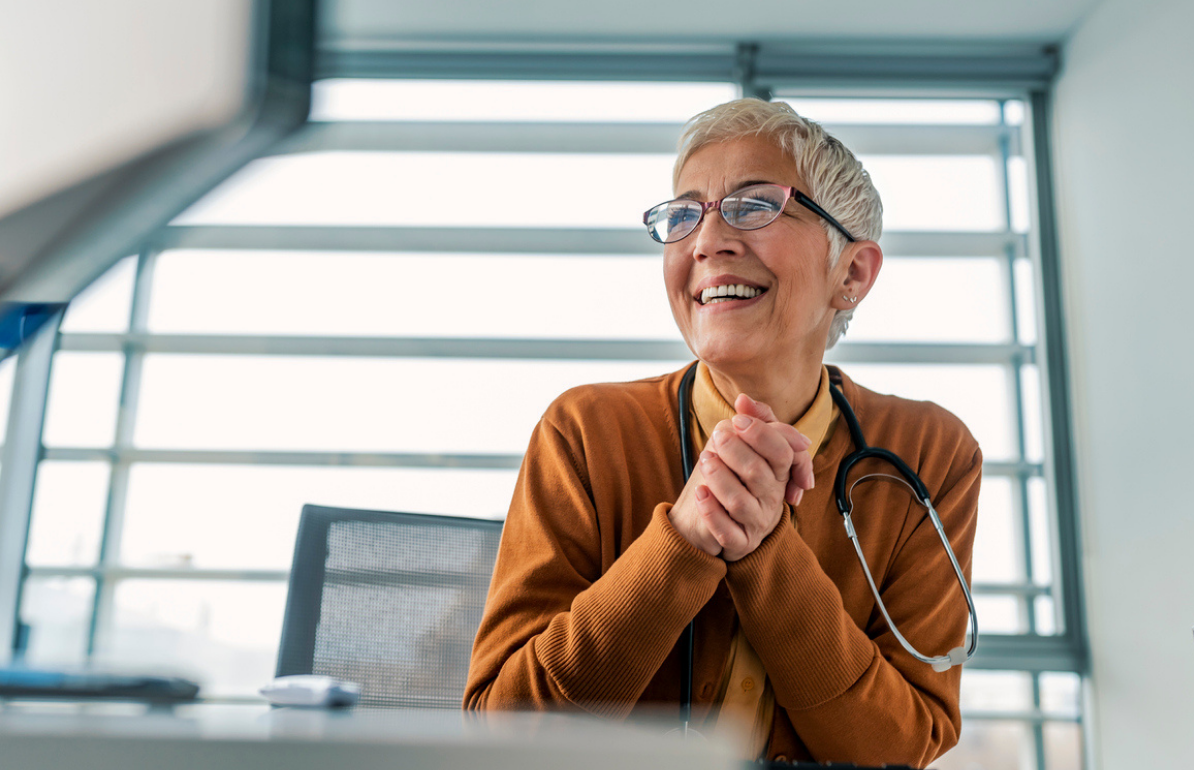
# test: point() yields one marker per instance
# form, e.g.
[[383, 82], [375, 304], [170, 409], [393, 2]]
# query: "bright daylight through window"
[[377, 316]]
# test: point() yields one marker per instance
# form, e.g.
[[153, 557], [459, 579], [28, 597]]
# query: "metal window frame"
[[18, 477], [758, 67]]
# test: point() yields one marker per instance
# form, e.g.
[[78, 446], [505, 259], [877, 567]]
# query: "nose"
[[714, 237]]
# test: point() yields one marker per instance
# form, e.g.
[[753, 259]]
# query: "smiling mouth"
[[738, 291]]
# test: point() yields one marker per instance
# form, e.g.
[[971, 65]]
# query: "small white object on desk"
[[311, 691]]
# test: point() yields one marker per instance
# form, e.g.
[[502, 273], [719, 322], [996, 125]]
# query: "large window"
[[377, 316]]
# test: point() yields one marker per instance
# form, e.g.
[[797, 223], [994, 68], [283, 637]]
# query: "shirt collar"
[[710, 408]]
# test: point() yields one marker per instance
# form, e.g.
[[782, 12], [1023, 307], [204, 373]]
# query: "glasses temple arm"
[[809, 204]]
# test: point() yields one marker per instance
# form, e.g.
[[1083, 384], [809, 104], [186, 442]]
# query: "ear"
[[855, 273]]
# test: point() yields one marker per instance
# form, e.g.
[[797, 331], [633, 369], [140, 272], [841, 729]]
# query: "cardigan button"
[[779, 758]]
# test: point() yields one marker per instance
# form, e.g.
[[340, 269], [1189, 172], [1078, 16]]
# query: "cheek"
[[675, 275], [804, 286]]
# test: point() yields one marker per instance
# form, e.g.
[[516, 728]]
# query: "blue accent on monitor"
[[20, 321]]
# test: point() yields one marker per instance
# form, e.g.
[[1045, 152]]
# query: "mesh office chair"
[[389, 600]]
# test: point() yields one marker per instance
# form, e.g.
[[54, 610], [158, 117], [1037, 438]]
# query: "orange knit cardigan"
[[592, 585]]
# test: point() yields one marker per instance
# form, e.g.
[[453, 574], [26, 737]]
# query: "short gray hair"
[[836, 179]]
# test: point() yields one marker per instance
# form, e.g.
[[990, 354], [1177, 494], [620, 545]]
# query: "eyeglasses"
[[750, 208]]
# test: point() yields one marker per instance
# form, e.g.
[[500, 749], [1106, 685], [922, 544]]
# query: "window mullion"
[[555, 242], [1038, 727], [22, 451], [1017, 381], [113, 527]]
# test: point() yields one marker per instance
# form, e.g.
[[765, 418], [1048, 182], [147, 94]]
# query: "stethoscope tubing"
[[863, 451], [688, 637]]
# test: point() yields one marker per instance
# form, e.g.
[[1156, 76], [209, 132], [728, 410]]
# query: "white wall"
[[1124, 144]]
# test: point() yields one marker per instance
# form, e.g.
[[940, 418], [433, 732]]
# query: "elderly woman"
[[608, 553]]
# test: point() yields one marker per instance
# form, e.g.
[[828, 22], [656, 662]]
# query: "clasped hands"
[[734, 498]]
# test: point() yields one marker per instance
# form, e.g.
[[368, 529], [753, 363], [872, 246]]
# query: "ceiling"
[[386, 23]]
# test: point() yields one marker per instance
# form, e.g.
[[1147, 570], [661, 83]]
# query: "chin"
[[726, 355]]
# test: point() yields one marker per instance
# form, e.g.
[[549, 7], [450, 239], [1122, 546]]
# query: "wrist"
[[696, 536]]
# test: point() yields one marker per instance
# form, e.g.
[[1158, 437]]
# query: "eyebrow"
[[695, 194]]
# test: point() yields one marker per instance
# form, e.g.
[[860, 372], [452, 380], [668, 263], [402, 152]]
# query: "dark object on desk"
[[389, 600], [32, 683]]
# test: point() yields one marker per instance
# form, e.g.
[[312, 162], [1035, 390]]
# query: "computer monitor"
[[120, 115]]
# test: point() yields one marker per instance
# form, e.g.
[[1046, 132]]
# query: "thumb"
[[760, 411], [746, 405]]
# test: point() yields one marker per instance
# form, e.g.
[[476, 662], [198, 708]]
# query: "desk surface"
[[209, 736]]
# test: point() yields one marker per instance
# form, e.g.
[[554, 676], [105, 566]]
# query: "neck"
[[788, 390]]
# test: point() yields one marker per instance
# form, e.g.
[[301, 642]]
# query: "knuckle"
[[758, 474], [732, 500], [738, 500]]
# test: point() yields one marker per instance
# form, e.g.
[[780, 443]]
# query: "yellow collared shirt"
[[747, 703]]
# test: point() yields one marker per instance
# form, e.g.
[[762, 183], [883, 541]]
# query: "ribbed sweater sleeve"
[[853, 694], [557, 633]]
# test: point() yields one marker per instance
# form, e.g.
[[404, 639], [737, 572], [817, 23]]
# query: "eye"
[[673, 220], [679, 214], [681, 217], [753, 207]]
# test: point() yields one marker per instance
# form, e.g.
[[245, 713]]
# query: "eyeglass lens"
[[747, 209]]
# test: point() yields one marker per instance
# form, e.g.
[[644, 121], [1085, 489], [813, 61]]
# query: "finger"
[[768, 442], [729, 490], [729, 534], [764, 478], [797, 440], [793, 494], [802, 470], [746, 405]]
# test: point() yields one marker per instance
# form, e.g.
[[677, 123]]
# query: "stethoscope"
[[958, 655]]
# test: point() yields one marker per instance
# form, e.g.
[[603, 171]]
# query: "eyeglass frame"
[[792, 194]]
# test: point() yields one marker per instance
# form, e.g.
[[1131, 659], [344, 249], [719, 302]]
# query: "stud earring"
[[851, 300]]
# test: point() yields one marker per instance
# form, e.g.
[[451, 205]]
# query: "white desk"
[[40, 736]]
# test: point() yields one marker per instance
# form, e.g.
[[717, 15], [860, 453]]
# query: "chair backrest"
[[391, 601]]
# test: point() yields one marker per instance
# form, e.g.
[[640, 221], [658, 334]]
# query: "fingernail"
[[741, 421], [706, 455], [702, 493], [719, 435]]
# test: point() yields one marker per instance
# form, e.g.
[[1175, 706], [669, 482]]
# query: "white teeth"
[[727, 292]]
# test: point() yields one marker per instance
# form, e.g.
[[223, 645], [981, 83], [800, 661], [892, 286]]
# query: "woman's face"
[[787, 259]]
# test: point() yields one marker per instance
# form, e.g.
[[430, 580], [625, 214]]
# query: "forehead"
[[719, 168]]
